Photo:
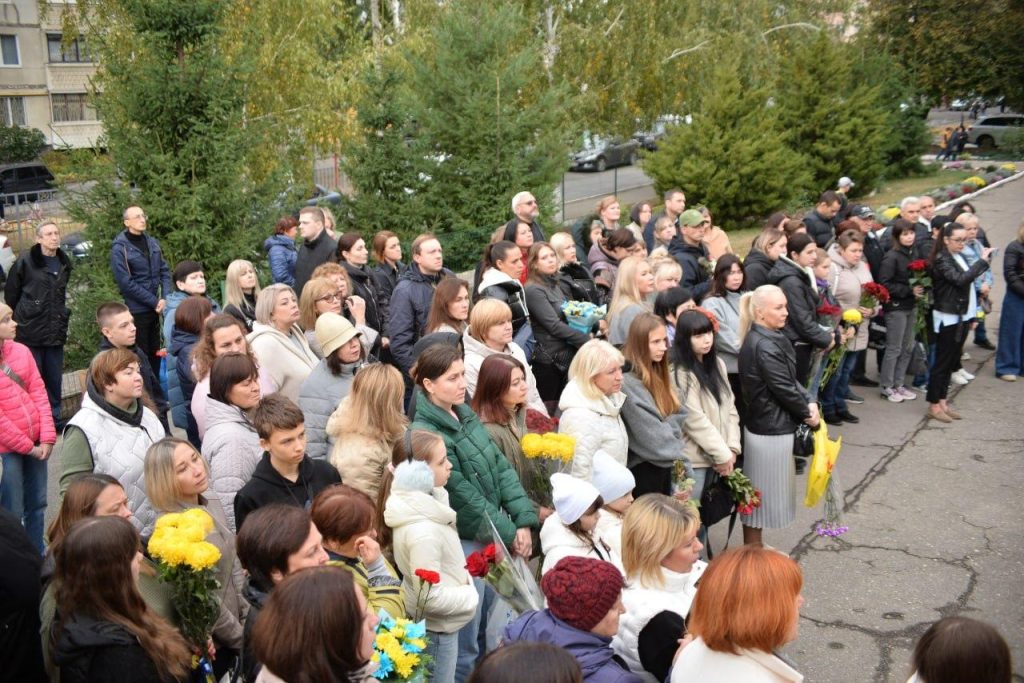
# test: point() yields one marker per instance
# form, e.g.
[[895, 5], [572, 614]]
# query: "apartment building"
[[43, 83]]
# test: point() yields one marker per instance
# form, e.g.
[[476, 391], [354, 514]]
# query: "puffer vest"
[[119, 449]]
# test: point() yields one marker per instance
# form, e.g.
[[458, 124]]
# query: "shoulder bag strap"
[[15, 377]]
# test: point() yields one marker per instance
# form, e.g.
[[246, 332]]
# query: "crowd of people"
[[349, 425]]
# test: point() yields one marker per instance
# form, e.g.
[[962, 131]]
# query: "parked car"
[[960, 104], [321, 196], [649, 139], [75, 245], [27, 178], [600, 153], [989, 131]]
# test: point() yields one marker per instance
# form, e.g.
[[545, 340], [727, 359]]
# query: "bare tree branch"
[[680, 53], [614, 22], [798, 24]]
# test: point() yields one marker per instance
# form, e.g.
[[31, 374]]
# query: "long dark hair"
[[940, 244], [79, 502], [722, 268], [690, 324], [900, 226], [94, 578], [493, 381]]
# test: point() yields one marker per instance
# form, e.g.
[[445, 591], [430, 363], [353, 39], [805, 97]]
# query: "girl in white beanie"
[[615, 483], [571, 530]]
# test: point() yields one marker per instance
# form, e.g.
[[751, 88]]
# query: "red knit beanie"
[[580, 590]]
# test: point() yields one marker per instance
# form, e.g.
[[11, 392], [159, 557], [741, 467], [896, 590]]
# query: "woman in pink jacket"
[[26, 431]]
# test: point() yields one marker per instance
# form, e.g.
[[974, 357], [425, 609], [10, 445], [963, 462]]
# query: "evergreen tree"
[[488, 123], [734, 157], [835, 121]]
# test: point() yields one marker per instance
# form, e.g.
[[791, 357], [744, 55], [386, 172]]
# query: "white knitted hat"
[[611, 478], [572, 496]]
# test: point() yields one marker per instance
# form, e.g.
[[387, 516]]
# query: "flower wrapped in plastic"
[[188, 564], [851, 318], [507, 574], [822, 482], [583, 315], [872, 294], [546, 453], [398, 649]]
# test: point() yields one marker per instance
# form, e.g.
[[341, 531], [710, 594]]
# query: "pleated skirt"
[[768, 461]]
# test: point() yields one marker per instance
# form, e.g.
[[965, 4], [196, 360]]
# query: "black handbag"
[[716, 501], [803, 441]]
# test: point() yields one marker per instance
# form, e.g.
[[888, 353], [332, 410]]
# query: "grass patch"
[[890, 193]]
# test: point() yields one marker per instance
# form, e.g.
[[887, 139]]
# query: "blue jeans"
[[473, 636], [50, 361], [444, 650], [833, 396], [1010, 354], [23, 493], [980, 334]]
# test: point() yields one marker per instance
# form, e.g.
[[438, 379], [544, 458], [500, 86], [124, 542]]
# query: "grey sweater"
[[652, 438], [727, 341], [618, 325]]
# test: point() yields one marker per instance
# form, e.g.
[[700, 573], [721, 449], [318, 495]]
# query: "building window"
[[72, 107], [13, 110], [9, 50], [76, 52]]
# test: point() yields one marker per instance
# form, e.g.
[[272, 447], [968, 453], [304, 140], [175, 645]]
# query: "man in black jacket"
[[691, 253], [410, 302], [675, 204], [524, 206], [819, 222], [317, 246], [37, 293]]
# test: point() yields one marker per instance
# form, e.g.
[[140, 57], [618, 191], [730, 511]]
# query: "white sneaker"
[[957, 378], [966, 375], [966, 356], [892, 395]]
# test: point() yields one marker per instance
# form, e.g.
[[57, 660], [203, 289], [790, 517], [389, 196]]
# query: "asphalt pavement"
[[933, 514]]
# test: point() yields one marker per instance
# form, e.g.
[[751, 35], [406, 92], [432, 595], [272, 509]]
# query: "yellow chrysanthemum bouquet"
[[548, 453], [399, 649], [188, 564]]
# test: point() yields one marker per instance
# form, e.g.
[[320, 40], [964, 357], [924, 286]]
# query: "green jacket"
[[482, 483]]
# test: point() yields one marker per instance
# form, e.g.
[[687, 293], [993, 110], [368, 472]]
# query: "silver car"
[[990, 131]]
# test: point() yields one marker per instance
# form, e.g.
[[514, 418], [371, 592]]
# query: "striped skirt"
[[768, 461]]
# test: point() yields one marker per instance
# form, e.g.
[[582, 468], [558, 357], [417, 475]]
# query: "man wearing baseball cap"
[[689, 249]]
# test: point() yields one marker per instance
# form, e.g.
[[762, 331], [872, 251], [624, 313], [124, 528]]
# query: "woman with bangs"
[[332, 293], [661, 558], [634, 283], [748, 606], [652, 412]]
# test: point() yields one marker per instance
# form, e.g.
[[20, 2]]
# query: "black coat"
[[38, 299], [894, 275], [873, 255], [776, 403], [408, 312], [20, 591], [513, 295], [694, 274], [756, 267], [91, 651], [246, 313], [1013, 267], [267, 486], [820, 228], [581, 283], [312, 254], [365, 287], [556, 341], [802, 324], [951, 284]]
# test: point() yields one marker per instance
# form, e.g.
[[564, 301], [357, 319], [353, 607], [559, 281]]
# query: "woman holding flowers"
[[953, 309], [847, 278], [635, 282], [106, 632], [427, 548], [177, 479], [652, 412], [901, 311]]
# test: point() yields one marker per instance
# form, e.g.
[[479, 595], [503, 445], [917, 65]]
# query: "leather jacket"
[[951, 284], [776, 403]]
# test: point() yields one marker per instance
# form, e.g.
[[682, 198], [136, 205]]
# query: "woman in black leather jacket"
[[557, 343], [953, 309], [776, 404]]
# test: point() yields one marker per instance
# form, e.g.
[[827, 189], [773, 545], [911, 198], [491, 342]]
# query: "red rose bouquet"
[[919, 277], [507, 574], [872, 294]]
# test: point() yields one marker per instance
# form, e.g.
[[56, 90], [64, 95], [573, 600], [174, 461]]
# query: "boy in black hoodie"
[[285, 474]]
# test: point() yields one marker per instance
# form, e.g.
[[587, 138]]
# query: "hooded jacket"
[[652, 437], [497, 285], [689, 256], [281, 255], [756, 267], [592, 652], [93, 651], [287, 360], [596, 424], [482, 485], [180, 383], [604, 266], [319, 396], [311, 254], [557, 542], [268, 486], [845, 283], [476, 352], [425, 537], [140, 279], [820, 228], [202, 394], [232, 448], [408, 311], [25, 417], [802, 301], [39, 299]]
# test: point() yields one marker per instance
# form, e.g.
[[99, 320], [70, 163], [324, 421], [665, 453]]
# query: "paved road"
[[583, 190], [934, 514]]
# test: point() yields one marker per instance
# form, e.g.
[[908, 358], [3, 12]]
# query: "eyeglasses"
[[532, 202], [331, 298]]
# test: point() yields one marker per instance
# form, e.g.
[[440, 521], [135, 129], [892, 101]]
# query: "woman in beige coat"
[[278, 342], [366, 425]]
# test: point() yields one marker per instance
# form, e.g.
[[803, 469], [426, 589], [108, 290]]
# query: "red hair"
[[747, 599]]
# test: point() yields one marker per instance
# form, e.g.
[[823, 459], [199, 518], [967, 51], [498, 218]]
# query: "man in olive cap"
[[691, 253]]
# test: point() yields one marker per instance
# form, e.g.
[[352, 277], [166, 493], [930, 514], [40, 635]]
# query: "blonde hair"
[[626, 291], [654, 526], [267, 301], [559, 241], [5, 310], [664, 268], [233, 293], [590, 361], [158, 473], [750, 303], [486, 314], [374, 406], [313, 290]]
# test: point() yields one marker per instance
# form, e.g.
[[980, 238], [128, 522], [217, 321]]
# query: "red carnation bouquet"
[[427, 579], [920, 277], [507, 574], [872, 294]]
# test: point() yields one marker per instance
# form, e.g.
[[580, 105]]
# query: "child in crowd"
[[425, 538], [615, 483], [571, 530], [285, 474]]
